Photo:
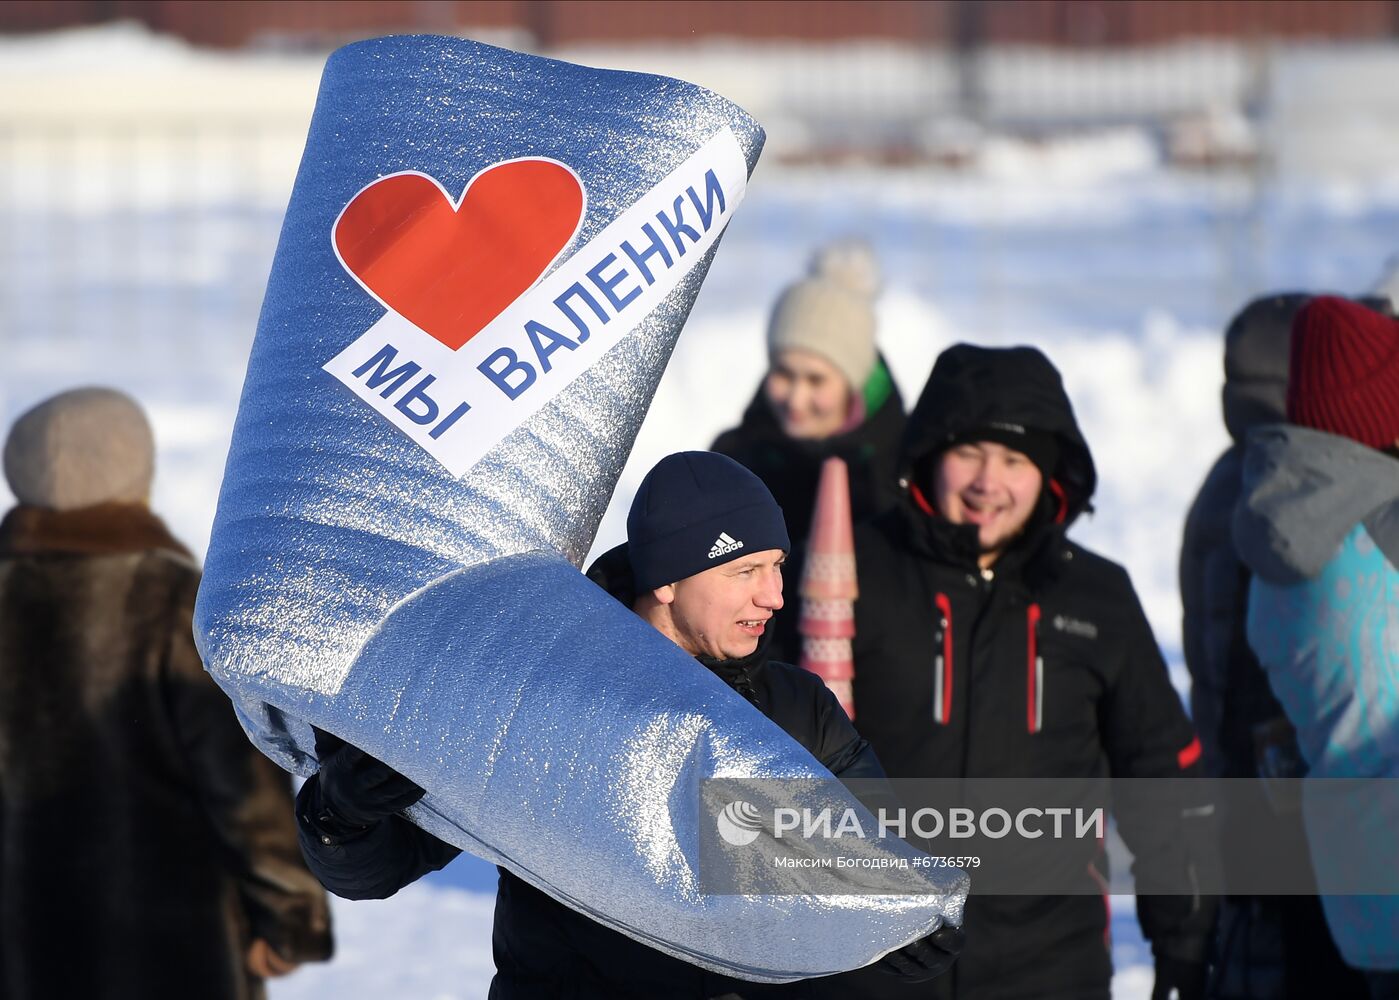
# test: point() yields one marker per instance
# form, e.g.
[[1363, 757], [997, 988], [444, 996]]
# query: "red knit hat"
[[1343, 375]]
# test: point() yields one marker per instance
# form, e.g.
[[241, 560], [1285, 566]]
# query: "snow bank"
[[426, 943]]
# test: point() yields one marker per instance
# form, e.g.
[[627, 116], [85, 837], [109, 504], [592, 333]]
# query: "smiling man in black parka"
[[988, 645]]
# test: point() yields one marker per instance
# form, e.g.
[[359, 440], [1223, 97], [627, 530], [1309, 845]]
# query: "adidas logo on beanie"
[[723, 545]]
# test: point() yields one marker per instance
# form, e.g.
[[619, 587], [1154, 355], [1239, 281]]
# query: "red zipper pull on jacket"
[[942, 664], [1034, 671]]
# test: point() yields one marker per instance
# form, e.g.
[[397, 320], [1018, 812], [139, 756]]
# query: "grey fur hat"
[[80, 448], [831, 311]]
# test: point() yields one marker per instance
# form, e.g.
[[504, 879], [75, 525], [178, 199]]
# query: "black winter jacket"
[[791, 468], [542, 948], [1044, 668]]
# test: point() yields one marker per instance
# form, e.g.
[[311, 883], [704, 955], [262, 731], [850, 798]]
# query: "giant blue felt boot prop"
[[485, 264]]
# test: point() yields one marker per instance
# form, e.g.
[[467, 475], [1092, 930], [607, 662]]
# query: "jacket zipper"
[[942, 666], [1034, 671]]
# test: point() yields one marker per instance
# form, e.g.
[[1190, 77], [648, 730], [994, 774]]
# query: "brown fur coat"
[[144, 842]]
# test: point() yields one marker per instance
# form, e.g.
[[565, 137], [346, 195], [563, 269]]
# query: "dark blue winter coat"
[[1229, 694]]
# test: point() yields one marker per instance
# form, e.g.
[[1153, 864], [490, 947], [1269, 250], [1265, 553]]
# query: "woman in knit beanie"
[[821, 344], [827, 392]]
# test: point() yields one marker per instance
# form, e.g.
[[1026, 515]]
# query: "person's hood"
[[973, 387], [1304, 491], [1255, 362]]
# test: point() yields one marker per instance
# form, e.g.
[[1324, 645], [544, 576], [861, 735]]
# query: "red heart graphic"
[[451, 269]]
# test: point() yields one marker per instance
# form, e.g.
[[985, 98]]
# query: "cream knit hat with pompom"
[[831, 312]]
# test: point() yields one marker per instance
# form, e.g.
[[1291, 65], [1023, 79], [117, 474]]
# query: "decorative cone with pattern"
[[828, 587]]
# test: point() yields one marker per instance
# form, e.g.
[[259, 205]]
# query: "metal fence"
[[165, 217], [145, 204], [138, 230]]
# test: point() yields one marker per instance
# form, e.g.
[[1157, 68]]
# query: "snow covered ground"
[[434, 943], [1121, 269]]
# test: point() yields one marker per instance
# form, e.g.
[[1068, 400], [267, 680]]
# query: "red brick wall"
[[1144, 22], [231, 23]]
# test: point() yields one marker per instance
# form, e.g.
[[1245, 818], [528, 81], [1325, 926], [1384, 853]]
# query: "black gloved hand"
[[354, 790], [927, 958], [1185, 976]]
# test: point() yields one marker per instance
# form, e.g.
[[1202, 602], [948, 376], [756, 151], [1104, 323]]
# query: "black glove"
[[355, 791], [927, 958], [1185, 976]]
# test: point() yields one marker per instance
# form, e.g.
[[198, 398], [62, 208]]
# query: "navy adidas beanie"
[[696, 510]]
